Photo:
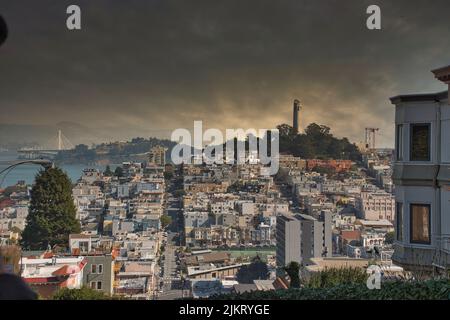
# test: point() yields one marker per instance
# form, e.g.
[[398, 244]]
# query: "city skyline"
[[140, 69]]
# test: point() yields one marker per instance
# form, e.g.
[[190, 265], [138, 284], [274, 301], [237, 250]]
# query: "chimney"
[[295, 115], [443, 74]]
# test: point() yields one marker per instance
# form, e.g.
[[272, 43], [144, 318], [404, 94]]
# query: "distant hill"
[[114, 152]]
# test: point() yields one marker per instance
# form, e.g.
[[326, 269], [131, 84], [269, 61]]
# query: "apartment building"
[[378, 205], [422, 178], [302, 237]]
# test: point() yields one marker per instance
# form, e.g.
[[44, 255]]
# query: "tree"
[[168, 175], [52, 211], [165, 221], [389, 237], [256, 270], [108, 172], [293, 271], [118, 172], [316, 142]]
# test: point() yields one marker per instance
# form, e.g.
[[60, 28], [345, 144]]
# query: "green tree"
[[293, 271], [256, 270], [165, 220], [168, 175], [118, 172], [52, 211], [389, 237], [316, 142], [108, 172]]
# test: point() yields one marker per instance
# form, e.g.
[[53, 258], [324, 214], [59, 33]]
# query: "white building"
[[376, 205], [422, 178]]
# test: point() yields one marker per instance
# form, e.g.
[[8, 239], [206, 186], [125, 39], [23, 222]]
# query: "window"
[[100, 268], [96, 285], [399, 221], [84, 246], [420, 142], [94, 268], [399, 143], [420, 223]]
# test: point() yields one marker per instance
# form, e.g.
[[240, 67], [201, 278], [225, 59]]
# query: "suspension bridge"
[[48, 150]]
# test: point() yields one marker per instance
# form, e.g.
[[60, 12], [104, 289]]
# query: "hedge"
[[394, 290]]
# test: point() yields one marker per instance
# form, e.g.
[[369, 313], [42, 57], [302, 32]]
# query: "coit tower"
[[295, 116]]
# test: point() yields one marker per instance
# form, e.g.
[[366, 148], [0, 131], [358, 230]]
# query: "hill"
[[316, 143]]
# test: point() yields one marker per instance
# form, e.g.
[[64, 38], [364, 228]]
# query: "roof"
[[281, 283], [192, 271], [244, 287], [378, 223], [80, 236], [264, 285], [64, 270], [432, 97], [137, 267], [208, 258], [350, 234], [336, 262], [442, 74]]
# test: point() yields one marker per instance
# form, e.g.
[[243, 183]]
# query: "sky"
[[144, 68]]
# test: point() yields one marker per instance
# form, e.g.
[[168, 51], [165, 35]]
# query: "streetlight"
[[46, 164]]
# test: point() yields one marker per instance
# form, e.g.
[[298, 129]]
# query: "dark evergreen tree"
[[52, 213], [256, 270], [108, 172], [293, 271], [118, 172]]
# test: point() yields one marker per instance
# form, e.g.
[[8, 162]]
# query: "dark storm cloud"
[[144, 67]]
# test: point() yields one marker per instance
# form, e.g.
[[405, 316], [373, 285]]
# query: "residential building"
[[376, 205], [302, 237], [422, 178]]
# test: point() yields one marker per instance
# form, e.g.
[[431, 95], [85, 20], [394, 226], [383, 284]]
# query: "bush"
[[331, 277], [394, 290], [84, 293]]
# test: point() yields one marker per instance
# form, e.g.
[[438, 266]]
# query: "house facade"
[[422, 178]]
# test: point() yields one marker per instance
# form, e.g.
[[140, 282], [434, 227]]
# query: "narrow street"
[[170, 282]]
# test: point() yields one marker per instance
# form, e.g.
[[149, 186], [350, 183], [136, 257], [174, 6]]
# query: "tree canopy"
[[316, 143], [52, 212], [165, 220], [293, 271], [256, 270]]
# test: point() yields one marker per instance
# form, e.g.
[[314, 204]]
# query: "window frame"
[[427, 205], [411, 125], [399, 148], [399, 212], [93, 268]]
